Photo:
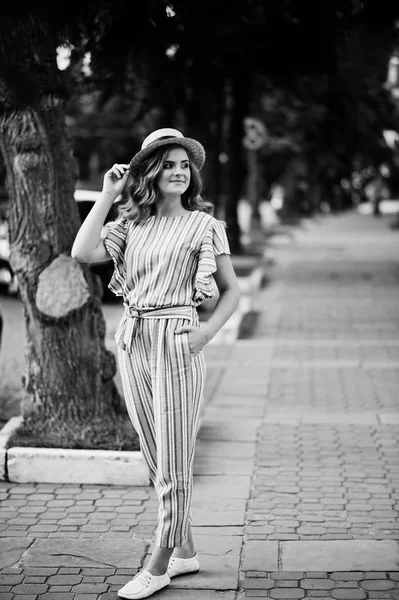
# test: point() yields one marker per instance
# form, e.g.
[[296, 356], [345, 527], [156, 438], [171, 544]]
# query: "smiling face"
[[175, 176]]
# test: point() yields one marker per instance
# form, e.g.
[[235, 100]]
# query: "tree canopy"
[[312, 72]]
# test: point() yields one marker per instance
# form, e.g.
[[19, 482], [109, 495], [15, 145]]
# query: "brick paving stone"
[[10, 579], [13, 533], [383, 595], [349, 594], [69, 571], [109, 502], [259, 583], [90, 588], [65, 534], [94, 528], [58, 596], [289, 594], [377, 584], [39, 571], [30, 588], [311, 530], [347, 576], [23, 489], [346, 584], [43, 528], [97, 572], [64, 579], [319, 584], [297, 575], [283, 536]]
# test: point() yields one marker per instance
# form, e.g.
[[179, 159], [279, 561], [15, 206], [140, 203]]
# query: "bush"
[[114, 433]]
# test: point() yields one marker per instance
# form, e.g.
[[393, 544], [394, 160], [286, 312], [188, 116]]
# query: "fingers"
[[185, 329], [120, 170], [181, 330]]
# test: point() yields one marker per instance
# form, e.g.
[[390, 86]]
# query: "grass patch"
[[114, 433]]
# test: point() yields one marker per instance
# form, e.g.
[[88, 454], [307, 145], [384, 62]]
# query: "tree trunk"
[[69, 371], [236, 94]]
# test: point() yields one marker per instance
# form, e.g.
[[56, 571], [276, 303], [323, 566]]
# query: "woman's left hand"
[[196, 337]]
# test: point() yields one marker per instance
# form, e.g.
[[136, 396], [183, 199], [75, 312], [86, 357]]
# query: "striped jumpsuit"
[[163, 270]]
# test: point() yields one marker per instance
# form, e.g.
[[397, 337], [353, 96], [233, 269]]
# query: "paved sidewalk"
[[296, 475]]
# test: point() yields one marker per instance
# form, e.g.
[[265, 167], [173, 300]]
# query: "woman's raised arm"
[[88, 246]]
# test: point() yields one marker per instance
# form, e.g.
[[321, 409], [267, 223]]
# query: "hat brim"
[[197, 151]]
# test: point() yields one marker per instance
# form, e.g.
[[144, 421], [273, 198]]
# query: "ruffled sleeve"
[[114, 238], [215, 243]]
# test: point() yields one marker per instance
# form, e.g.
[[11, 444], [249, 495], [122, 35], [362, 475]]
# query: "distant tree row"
[[312, 72]]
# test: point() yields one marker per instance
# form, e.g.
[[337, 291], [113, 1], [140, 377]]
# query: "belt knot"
[[134, 312], [132, 321]]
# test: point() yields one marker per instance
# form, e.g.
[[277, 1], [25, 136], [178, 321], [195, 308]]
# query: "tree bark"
[[236, 97], [69, 371]]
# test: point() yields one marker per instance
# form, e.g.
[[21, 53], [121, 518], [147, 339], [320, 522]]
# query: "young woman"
[[168, 251]]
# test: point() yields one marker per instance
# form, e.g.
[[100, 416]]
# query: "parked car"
[[85, 200], [388, 206], [8, 282]]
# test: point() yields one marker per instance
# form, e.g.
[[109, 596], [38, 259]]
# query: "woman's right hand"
[[115, 180]]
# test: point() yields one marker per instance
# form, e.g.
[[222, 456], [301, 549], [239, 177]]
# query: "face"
[[175, 176]]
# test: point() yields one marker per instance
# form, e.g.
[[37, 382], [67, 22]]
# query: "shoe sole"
[[135, 597], [130, 597], [186, 573]]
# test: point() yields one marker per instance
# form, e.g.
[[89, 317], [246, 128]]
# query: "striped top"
[[165, 261]]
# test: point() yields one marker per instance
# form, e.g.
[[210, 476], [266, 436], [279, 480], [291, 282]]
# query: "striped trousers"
[[163, 386]]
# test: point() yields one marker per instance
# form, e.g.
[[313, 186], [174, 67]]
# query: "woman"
[[167, 251]]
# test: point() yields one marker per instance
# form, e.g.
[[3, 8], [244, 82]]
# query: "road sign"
[[255, 134]]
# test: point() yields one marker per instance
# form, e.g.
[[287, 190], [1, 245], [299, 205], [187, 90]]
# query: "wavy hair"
[[138, 204]]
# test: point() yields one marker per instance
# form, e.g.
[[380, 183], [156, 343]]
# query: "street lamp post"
[[255, 137]]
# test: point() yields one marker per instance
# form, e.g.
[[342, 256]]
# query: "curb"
[[103, 467], [64, 465]]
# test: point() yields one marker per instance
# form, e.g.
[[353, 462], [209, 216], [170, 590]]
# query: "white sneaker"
[[183, 566], [143, 585]]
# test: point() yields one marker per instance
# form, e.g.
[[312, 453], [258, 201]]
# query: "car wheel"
[[8, 282]]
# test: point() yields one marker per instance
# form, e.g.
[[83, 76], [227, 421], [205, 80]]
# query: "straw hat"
[[165, 136]]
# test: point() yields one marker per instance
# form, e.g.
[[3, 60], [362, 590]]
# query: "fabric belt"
[[130, 324], [169, 312]]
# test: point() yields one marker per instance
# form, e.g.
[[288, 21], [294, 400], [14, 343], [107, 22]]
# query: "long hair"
[[139, 202]]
